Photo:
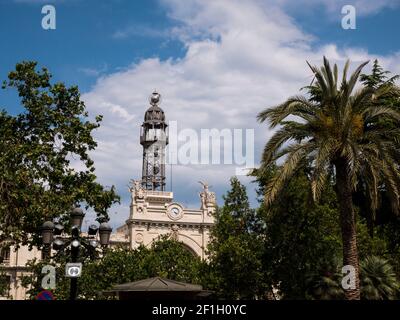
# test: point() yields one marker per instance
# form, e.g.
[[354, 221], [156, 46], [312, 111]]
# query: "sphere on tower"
[[155, 98], [154, 113]]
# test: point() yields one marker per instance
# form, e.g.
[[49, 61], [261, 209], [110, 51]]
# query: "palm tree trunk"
[[348, 224]]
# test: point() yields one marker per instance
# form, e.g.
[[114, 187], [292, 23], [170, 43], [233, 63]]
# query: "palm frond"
[[320, 172], [295, 154], [290, 131], [297, 105]]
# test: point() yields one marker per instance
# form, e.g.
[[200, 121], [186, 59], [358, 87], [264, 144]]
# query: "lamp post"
[[105, 233], [47, 237], [55, 234]]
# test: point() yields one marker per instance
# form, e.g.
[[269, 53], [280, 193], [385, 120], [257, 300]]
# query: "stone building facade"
[[155, 213], [13, 264]]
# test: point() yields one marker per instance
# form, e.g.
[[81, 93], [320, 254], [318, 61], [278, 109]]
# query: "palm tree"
[[327, 288], [336, 127], [378, 280], [325, 285]]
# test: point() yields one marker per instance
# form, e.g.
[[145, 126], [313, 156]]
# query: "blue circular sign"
[[45, 295]]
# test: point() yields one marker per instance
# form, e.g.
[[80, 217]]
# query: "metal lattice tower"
[[154, 139]]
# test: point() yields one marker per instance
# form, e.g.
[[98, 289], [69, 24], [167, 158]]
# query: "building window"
[[5, 255]]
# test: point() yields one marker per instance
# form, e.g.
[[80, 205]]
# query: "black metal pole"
[[46, 252], [74, 281]]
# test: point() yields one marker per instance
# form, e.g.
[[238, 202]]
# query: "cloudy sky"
[[217, 63]]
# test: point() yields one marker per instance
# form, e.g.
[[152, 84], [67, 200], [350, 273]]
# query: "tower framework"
[[154, 139]]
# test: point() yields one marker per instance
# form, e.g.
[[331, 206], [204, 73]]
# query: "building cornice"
[[168, 224]]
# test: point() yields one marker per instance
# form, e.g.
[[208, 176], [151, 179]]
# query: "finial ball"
[[155, 98]]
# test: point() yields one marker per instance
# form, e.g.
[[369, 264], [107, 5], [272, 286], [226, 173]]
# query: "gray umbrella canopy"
[[157, 284], [158, 287]]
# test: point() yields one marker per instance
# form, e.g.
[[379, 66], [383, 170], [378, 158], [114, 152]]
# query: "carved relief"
[[208, 199], [175, 231], [203, 199], [136, 190], [139, 238]]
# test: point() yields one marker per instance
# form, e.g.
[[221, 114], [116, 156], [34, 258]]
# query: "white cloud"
[[363, 7], [94, 72], [141, 31], [241, 57]]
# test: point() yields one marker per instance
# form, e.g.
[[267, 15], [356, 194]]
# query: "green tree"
[[171, 259], [165, 258], [4, 284], [384, 219], [390, 233], [235, 250], [338, 129], [377, 77], [326, 286], [301, 237], [378, 280], [37, 180]]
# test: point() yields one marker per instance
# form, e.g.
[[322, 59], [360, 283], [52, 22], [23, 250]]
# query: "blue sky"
[[376, 32], [85, 41], [216, 63], [96, 37]]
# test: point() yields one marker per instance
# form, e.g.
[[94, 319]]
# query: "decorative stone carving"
[[132, 192], [208, 199], [139, 238], [175, 231], [203, 199], [136, 190]]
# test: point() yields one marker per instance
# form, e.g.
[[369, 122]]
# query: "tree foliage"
[[4, 284], [301, 237], [378, 280], [337, 126], [39, 149], [236, 248]]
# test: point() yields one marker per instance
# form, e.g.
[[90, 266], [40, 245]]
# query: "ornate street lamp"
[[55, 234], [105, 233], [77, 216], [58, 229], [92, 231], [47, 232]]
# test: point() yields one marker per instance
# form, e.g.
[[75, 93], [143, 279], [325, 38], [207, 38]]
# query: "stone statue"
[[175, 231], [205, 185], [206, 196], [132, 191], [203, 199], [136, 190]]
